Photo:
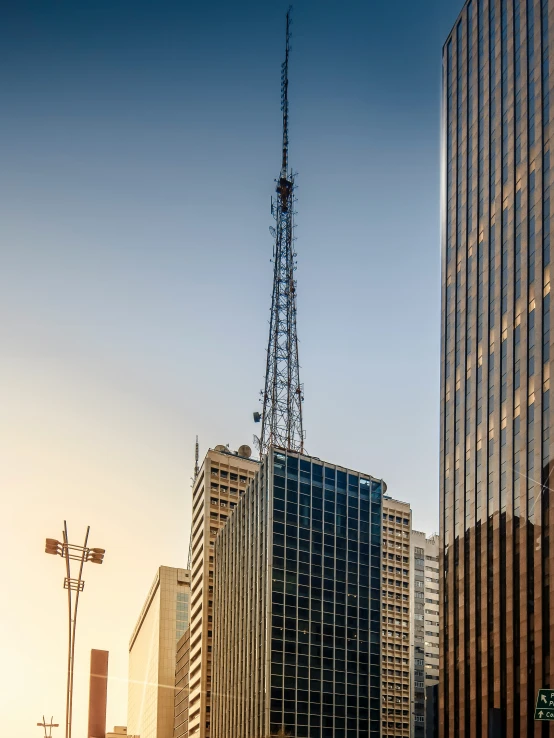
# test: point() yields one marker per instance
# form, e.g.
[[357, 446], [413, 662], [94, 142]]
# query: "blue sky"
[[139, 146]]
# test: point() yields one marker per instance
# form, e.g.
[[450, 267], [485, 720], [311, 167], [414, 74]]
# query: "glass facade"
[[496, 621], [298, 604]]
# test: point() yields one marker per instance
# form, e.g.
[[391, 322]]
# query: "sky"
[[139, 146]]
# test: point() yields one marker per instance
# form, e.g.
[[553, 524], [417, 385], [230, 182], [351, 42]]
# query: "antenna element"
[[283, 394]]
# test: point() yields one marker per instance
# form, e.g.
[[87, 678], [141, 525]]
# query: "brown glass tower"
[[496, 524]]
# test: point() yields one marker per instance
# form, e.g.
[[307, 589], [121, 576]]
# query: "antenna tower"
[[282, 396]]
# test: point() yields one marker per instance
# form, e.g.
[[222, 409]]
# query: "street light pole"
[[81, 554], [49, 725]]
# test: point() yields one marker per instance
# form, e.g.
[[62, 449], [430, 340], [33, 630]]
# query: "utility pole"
[[282, 396], [49, 725], [69, 552]]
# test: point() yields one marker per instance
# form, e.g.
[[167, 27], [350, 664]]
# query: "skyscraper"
[[152, 650], [395, 636], [424, 633], [496, 557], [297, 604], [221, 480]]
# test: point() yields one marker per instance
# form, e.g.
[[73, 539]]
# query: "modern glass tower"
[[297, 604], [497, 615]]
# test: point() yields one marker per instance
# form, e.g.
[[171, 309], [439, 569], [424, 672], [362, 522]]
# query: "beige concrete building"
[[396, 621], [424, 555], [119, 731], [152, 653], [181, 723], [221, 480]]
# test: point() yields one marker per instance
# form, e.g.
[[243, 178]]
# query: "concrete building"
[[221, 481], [497, 620], [181, 723], [396, 621], [152, 654], [424, 635], [98, 694], [120, 731], [297, 604]]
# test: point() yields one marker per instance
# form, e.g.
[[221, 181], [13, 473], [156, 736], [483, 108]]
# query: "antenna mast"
[[196, 458], [283, 394]]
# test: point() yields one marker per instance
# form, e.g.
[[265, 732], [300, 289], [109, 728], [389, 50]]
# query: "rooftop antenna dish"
[[221, 448], [245, 451]]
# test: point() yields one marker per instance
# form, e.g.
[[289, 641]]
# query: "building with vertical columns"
[[424, 633], [396, 623], [181, 723], [495, 520], [152, 654], [297, 598], [222, 479]]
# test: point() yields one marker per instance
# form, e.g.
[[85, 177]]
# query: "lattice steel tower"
[[283, 394]]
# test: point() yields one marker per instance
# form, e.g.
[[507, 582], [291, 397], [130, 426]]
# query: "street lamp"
[[49, 725], [70, 553]]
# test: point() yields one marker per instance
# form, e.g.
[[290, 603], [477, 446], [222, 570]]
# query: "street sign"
[[544, 709]]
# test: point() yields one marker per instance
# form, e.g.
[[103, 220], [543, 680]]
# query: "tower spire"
[[285, 97], [282, 396]]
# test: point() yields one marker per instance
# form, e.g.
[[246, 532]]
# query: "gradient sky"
[[139, 143]]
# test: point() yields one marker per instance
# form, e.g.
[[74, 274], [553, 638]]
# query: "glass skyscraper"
[[297, 604], [497, 614]]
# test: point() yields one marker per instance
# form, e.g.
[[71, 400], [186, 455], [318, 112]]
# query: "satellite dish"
[[245, 451], [272, 231], [221, 448]]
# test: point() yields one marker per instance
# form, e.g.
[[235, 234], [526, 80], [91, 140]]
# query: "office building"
[[152, 654], [181, 723], [424, 633], [297, 598], [221, 480], [396, 624], [98, 694], [496, 620]]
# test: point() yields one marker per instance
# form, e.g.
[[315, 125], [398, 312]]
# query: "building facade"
[[182, 670], [396, 621], [497, 616], [298, 604], [222, 479], [424, 645], [152, 654]]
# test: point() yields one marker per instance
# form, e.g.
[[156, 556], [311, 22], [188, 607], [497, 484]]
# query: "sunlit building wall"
[[152, 654], [221, 481], [396, 620]]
